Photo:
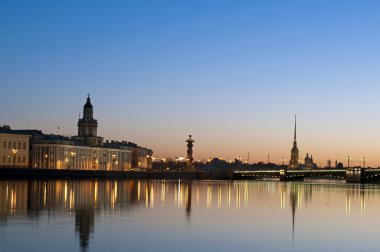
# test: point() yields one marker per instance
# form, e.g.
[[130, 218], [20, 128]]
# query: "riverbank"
[[26, 173]]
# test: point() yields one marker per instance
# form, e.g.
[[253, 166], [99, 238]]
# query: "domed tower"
[[88, 126], [294, 154]]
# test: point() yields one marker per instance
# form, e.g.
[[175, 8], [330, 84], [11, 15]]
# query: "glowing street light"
[[364, 159], [14, 152], [348, 161], [283, 161], [73, 156], [113, 161], [45, 160]]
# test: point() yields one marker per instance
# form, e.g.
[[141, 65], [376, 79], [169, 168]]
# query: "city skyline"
[[363, 160], [231, 74]]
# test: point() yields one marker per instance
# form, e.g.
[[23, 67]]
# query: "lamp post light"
[[67, 163], [283, 161], [364, 159], [348, 161], [73, 156], [14, 152], [149, 160], [113, 161], [45, 160]]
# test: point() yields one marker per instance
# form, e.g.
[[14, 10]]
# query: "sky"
[[231, 73]]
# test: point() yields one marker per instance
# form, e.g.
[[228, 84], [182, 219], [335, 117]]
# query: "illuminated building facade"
[[69, 156], [86, 151], [14, 148]]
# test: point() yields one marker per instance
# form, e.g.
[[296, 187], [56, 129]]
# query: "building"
[[294, 154], [86, 151], [309, 162], [14, 148], [57, 152]]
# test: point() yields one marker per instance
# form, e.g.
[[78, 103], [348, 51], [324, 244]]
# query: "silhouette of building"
[[87, 127], [294, 155], [309, 162]]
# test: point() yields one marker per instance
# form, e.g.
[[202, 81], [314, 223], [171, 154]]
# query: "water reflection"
[[87, 200]]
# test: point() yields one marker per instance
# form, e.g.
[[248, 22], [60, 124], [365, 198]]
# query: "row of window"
[[14, 145], [11, 160]]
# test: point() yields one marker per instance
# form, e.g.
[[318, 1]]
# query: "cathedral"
[[294, 154], [309, 162]]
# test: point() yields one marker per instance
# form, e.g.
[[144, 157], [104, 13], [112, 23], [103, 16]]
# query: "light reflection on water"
[[141, 215]]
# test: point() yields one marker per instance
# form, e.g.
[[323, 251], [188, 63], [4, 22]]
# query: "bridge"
[[351, 175]]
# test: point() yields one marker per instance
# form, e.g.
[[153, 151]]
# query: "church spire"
[[295, 127], [294, 161]]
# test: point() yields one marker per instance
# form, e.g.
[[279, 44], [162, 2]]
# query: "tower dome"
[[88, 103]]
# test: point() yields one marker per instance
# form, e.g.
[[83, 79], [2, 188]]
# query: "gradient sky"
[[232, 73]]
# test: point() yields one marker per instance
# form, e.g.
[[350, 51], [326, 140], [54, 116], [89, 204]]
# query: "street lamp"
[[113, 161], [364, 159], [73, 156], [45, 160], [14, 152], [283, 161], [348, 161]]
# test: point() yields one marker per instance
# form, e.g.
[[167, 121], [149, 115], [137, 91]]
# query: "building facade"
[[14, 149], [69, 156]]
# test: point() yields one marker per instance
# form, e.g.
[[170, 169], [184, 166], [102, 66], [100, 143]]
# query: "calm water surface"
[[140, 215]]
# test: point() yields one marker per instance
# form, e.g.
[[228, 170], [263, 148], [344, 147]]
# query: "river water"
[[178, 215]]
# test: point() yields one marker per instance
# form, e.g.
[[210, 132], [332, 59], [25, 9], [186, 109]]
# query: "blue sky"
[[232, 73]]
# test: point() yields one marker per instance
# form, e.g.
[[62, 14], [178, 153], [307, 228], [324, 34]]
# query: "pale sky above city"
[[231, 73]]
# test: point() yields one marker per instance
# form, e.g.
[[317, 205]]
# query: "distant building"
[[14, 148], [294, 154], [329, 163], [309, 162]]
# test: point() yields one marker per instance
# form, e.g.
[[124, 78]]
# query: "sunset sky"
[[231, 73]]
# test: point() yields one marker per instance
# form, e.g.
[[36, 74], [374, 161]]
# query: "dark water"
[[132, 215]]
